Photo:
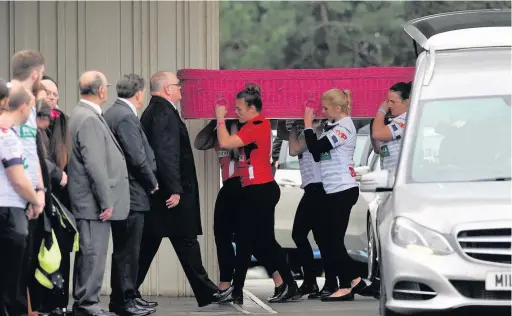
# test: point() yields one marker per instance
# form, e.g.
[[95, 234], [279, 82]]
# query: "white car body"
[[444, 217]]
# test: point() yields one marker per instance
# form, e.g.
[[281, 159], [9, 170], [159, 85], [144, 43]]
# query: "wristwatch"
[[41, 189]]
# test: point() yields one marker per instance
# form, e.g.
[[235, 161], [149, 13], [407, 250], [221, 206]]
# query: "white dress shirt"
[[130, 105], [94, 106]]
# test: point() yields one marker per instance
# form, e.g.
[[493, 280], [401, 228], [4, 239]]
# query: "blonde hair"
[[341, 98]]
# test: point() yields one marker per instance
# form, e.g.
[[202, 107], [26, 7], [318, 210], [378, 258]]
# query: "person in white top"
[[387, 138], [308, 214], [19, 201], [335, 150]]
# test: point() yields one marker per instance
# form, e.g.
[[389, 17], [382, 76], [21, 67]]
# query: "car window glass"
[[462, 140]]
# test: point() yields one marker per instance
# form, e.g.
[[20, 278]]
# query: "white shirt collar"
[[94, 106], [130, 105]]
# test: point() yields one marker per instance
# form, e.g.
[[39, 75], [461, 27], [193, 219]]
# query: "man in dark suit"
[[98, 190], [175, 211], [124, 123]]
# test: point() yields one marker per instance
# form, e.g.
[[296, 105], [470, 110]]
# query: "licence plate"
[[498, 281]]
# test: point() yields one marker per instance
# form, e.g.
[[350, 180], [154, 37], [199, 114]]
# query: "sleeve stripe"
[[12, 162]]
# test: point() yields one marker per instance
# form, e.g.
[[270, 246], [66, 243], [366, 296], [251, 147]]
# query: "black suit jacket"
[[176, 171], [140, 159]]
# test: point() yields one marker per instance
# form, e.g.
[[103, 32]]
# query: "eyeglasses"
[[176, 84]]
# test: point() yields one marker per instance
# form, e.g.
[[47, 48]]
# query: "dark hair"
[[17, 97], [43, 109], [24, 62], [60, 140], [129, 85], [4, 89], [251, 95], [403, 89], [91, 88], [46, 77]]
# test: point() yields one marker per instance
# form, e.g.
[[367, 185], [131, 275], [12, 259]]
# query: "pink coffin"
[[286, 93]]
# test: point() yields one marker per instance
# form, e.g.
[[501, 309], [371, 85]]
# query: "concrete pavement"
[[255, 303]]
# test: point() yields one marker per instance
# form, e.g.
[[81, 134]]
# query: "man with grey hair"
[[17, 192], [175, 207], [124, 123], [98, 190]]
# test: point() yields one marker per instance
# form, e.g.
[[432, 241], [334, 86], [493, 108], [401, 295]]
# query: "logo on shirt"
[[384, 151], [223, 153], [27, 132], [25, 163], [334, 139], [341, 134], [325, 156], [395, 128]]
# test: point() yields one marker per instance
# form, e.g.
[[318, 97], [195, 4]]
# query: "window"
[[459, 140]]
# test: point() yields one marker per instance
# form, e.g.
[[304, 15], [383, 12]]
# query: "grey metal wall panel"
[[118, 37]]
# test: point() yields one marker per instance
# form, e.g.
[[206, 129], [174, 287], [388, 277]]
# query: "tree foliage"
[[324, 34]]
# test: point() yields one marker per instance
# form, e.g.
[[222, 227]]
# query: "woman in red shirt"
[[260, 194], [227, 204]]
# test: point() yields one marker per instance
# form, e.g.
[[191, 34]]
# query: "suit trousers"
[[126, 238], [189, 254], [13, 242], [90, 263]]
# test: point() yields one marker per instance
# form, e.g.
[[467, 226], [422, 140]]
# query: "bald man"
[[98, 190], [175, 211]]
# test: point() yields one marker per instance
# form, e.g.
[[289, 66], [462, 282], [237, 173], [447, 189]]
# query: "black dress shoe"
[[286, 293], [223, 296], [343, 298], [326, 291], [142, 302], [306, 289], [131, 309]]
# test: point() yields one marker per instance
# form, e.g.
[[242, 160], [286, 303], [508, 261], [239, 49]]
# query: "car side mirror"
[[360, 171], [377, 181]]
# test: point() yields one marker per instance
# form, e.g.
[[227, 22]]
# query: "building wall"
[[119, 37]]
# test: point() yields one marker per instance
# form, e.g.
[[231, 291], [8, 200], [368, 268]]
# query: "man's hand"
[[34, 210], [173, 201], [276, 164], [64, 180], [31, 212], [106, 214]]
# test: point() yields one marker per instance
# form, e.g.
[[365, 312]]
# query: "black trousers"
[[126, 239], [189, 254], [13, 242], [225, 221], [256, 231], [335, 222], [307, 219]]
